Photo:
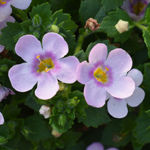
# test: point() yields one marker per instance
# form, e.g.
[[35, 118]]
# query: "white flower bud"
[[55, 133], [122, 26], [45, 111]]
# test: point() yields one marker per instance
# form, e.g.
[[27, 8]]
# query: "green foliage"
[[111, 5], [108, 25]]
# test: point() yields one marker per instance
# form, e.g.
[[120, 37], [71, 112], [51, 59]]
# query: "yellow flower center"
[[101, 75], [3, 2], [138, 8], [45, 64]]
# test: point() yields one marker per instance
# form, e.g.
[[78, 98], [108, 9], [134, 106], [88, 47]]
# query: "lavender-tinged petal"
[[28, 47], [1, 119], [98, 53], [136, 98], [95, 146], [112, 148], [1, 48], [21, 77], [68, 67], [83, 72], [117, 107], [21, 4], [136, 75], [119, 61], [2, 93], [122, 87], [47, 86], [94, 95], [53, 42], [5, 11]]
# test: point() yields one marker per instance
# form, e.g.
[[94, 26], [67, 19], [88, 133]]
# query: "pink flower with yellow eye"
[[103, 75], [135, 8], [6, 10], [44, 65]]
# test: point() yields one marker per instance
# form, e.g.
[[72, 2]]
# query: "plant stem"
[[140, 26]]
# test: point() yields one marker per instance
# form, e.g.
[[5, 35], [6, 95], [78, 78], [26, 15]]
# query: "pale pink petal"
[[136, 75], [1, 48], [98, 53], [53, 42], [95, 146], [122, 87], [94, 95], [2, 93], [8, 19], [117, 107], [1, 119], [112, 148], [47, 86], [5, 11], [119, 61], [83, 72], [28, 47], [21, 77], [21, 4], [68, 68], [136, 98]]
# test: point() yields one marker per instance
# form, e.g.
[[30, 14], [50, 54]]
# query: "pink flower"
[[1, 119], [135, 8], [98, 146], [44, 65], [118, 107], [6, 10], [101, 75], [2, 25]]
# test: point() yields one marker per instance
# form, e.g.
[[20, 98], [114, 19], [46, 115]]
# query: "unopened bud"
[[45, 111], [4, 68], [55, 28], [73, 102], [61, 86], [36, 20], [122, 26], [3, 140], [62, 119], [55, 133], [92, 24]]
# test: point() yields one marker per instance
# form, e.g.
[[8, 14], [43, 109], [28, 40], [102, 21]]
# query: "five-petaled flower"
[[43, 65], [103, 75], [2, 25], [118, 107], [98, 146], [6, 10], [135, 8]]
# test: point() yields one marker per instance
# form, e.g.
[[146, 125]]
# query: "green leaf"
[[111, 4], [8, 34], [143, 128], [146, 36], [95, 117], [65, 19], [78, 146], [44, 12], [91, 9], [108, 25], [39, 128], [80, 55]]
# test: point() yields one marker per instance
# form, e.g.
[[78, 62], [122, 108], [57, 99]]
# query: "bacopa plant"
[[74, 74]]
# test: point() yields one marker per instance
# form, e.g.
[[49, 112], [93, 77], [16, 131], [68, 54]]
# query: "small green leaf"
[[80, 55]]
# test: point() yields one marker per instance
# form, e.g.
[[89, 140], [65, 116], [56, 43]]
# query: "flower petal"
[[95, 146], [83, 72], [136, 98], [98, 53], [67, 71], [53, 42], [119, 61], [117, 107], [28, 47], [1, 119], [21, 77], [2, 93], [122, 87], [21, 4], [136, 75], [94, 95], [112, 148], [5, 11], [1, 48], [47, 86]]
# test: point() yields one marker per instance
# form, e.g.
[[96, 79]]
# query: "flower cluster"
[[98, 146]]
